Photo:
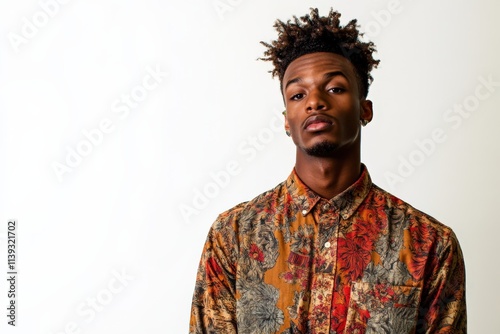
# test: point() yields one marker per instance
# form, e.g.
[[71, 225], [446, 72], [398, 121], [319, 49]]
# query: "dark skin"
[[324, 107]]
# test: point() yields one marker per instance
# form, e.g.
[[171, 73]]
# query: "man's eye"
[[336, 90], [297, 96]]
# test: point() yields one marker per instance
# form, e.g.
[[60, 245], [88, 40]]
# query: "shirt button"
[[326, 206], [304, 212], [327, 244]]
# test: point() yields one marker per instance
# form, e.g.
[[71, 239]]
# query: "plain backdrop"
[[127, 126]]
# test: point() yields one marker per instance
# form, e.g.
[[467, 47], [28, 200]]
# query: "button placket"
[[325, 257], [327, 240]]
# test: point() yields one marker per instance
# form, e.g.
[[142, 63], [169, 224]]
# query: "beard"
[[322, 150]]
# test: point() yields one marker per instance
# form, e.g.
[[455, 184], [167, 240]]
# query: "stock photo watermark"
[[94, 137], [222, 7], [88, 309], [12, 274], [453, 118], [248, 150], [31, 26], [382, 18]]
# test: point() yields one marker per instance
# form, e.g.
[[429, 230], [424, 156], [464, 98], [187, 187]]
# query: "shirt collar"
[[346, 202]]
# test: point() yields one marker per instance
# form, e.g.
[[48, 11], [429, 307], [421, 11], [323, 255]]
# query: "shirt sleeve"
[[443, 307], [213, 307]]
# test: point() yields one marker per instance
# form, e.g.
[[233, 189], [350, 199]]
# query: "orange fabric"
[[364, 261]]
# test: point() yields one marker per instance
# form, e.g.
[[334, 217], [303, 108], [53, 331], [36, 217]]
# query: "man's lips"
[[318, 123]]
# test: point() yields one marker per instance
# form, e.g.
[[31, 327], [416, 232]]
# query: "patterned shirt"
[[290, 261]]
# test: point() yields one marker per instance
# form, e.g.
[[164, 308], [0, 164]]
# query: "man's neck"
[[328, 177]]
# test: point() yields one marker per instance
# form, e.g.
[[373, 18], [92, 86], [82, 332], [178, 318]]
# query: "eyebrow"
[[328, 75]]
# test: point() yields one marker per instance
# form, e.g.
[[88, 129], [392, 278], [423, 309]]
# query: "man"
[[327, 251]]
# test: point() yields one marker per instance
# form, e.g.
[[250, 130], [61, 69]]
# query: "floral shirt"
[[290, 261]]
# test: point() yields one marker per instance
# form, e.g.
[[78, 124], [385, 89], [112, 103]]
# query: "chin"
[[322, 149]]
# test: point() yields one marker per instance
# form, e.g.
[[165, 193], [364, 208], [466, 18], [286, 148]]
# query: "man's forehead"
[[322, 62]]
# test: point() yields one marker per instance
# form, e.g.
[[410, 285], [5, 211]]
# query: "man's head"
[[312, 33], [324, 71]]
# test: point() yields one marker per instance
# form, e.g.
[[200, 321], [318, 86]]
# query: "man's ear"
[[366, 110], [287, 126]]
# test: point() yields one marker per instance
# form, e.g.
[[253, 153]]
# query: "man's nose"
[[316, 101]]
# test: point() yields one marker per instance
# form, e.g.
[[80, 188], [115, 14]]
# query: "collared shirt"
[[290, 261]]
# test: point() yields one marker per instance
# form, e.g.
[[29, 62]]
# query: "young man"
[[327, 251]]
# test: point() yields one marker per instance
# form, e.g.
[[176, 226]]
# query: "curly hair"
[[312, 33]]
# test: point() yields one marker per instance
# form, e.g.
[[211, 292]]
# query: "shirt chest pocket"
[[382, 308]]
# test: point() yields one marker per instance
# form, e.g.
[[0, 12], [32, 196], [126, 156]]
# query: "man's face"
[[323, 104]]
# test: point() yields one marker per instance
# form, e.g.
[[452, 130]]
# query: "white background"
[[118, 210]]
